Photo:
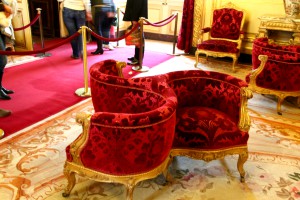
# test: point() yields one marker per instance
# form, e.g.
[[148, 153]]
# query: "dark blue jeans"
[[73, 20], [3, 58], [102, 23]]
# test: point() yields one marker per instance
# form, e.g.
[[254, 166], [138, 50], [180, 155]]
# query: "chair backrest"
[[207, 89], [281, 71], [227, 22]]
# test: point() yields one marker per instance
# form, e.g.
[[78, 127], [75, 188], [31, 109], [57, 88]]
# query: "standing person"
[[103, 11], [75, 14], [135, 9], [6, 12], [9, 31]]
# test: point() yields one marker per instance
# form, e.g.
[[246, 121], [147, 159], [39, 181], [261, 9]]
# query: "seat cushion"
[[206, 128], [219, 46]]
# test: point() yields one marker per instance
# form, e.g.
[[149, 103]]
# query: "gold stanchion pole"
[[1, 133], [42, 35], [175, 38], [86, 91], [175, 33], [141, 68], [118, 25]]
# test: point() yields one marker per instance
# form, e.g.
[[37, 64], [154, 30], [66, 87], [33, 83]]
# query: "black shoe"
[[7, 91], [4, 113], [131, 58], [74, 57], [133, 62], [4, 96], [98, 51]]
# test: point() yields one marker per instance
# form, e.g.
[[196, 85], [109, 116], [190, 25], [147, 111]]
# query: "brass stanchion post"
[[86, 91], [175, 33], [1, 133], [118, 25], [41, 35], [175, 38], [141, 68]]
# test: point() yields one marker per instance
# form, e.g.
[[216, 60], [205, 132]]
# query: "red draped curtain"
[[186, 30]]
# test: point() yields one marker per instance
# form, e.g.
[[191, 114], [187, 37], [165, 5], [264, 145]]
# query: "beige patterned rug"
[[31, 162], [14, 60]]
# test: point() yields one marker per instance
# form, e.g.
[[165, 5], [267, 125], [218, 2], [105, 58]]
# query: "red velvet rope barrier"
[[159, 24], [156, 24], [30, 24], [41, 50], [114, 39]]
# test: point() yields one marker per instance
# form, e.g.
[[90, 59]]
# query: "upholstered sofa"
[[211, 118], [141, 124], [129, 137], [275, 70]]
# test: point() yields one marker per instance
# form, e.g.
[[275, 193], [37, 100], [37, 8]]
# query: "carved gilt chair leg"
[[71, 182], [197, 59], [233, 64], [279, 102], [169, 177], [129, 195], [240, 165]]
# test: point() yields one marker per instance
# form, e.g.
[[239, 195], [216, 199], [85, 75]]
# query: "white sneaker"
[[108, 46]]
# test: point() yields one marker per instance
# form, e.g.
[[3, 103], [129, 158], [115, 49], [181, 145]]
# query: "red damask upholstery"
[[140, 123], [212, 118], [130, 135], [279, 73], [225, 34]]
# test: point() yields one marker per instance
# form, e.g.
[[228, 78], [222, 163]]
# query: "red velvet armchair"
[[224, 36], [275, 70], [212, 118], [129, 137]]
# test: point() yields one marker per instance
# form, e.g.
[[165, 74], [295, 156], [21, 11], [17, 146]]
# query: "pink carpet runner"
[[47, 86]]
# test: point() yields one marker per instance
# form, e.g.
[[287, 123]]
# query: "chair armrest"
[[202, 31], [205, 30], [245, 122], [76, 146], [255, 72]]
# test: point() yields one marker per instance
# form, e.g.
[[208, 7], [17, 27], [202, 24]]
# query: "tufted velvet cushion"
[[219, 46], [226, 23], [281, 71], [204, 128]]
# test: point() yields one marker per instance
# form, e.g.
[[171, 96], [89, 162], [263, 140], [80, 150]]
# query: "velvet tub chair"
[[275, 70], [224, 36], [212, 118], [129, 137]]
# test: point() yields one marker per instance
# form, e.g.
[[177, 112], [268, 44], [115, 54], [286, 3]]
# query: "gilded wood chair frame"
[[207, 53], [76, 166], [281, 95], [209, 155]]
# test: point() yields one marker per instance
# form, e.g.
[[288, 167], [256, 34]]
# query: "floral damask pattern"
[[281, 72], [227, 23], [132, 129]]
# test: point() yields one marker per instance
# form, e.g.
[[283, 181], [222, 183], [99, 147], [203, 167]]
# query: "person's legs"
[[3, 62], [106, 24], [80, 19], [136, 59], [73, 20], [98, 21]]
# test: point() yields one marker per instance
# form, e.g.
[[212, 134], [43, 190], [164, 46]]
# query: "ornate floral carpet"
[[31, 163]]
